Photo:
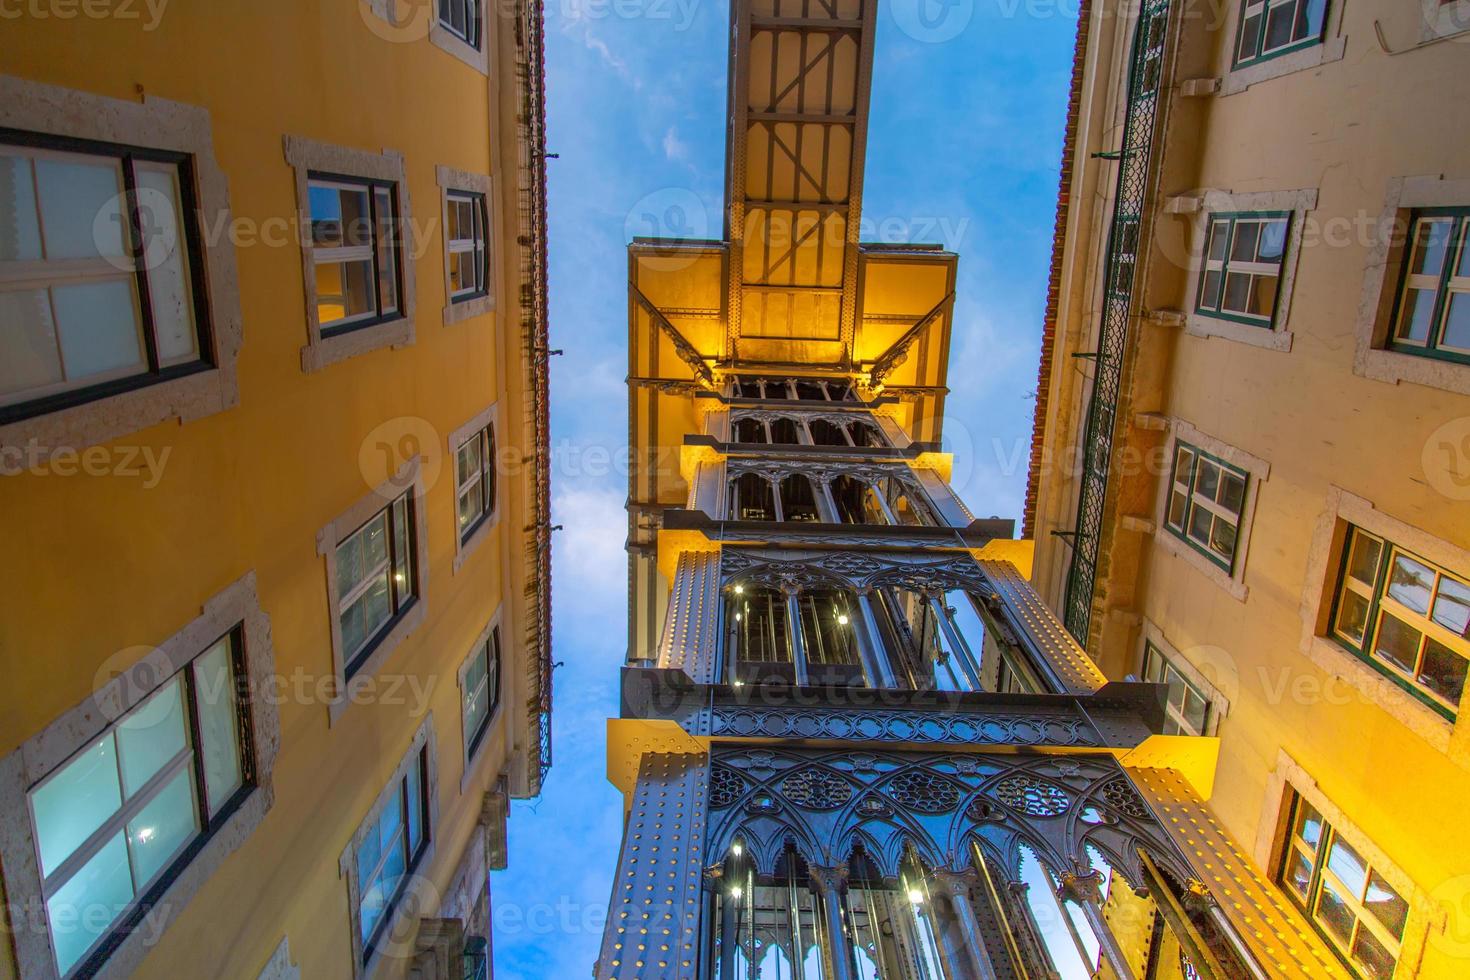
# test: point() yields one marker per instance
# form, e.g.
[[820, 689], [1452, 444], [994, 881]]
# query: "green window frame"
[[1406, 616], [1431, 316], [1206, 503], [1347, 900], [1243, 262], [1271, 28], [1188, 710]]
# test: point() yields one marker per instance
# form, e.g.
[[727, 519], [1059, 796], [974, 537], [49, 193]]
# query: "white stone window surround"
[[1381, 276], [463, 549], [1278, 336], [1258, 471], [411, 903], [473, 760], [237, 605], [409, 478], [451, 179], [425, 22], [1323, 562], [307, 156], [1441, 20], [158, 124], [1197, 673], [1426, 914], [1332, 48]]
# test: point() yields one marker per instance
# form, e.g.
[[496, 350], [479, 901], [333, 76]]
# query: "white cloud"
[[675, 148], [591, 565]]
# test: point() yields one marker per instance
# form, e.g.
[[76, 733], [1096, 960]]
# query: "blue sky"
[[963, 148]]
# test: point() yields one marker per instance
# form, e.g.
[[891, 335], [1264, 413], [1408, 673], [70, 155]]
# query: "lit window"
[[101, 283], [1242, 267], [1188, 710], [469, 269], [481, 690], [1206, 497], [1346, 898], [1433, 313], [1406, 616], [354, 250], [1272, 27], [474, 480], [123, 814], [375, 579], [390, 849], [462, 19]]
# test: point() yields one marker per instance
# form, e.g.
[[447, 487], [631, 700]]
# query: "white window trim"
[[474, 761], [1212, 660], [46, 751], [409, 478], [1258, 471], [419, 896], [305, 155], [1381, 282], [1278, 335], [426, 24], [1323, 562], [463, 549], [451, 179], [1236, 80], [160, 124], [1426, 914]]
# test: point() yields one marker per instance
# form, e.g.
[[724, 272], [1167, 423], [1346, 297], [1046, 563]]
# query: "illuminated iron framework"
[[1135, 173]]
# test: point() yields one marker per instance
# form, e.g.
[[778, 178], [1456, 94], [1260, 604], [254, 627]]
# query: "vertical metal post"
[[957, 643], [875, 656], [793, 626], [833, 515], [1083, 889], [956, 886], [830, 882], [888, 515]]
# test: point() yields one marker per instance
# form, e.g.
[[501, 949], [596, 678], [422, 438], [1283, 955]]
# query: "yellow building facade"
[[1249, 476], [273, 432]]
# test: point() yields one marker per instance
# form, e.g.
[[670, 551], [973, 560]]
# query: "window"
[[1406, 616], [752, 498], [355, 247], [1348, 901], [1242, 267], [462, 19], [474, 481], [1272, 27], [756, 634], [469, 267], [102, 284], [392, 845], [1188, 710], [1433, 310], [828, 640], [1206, 497], [375, 579], [799, 499], [480, 690], [117, 820]]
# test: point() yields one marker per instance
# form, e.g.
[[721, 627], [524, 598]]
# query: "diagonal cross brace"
[[686, 351]]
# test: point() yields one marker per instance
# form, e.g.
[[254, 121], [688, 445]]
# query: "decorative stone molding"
[[280, 967]]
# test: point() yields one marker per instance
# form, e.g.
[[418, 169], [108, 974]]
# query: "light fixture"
[[739, 590], [842, 619], [736, 849], [739, 683], [916, 897], [737, 617], [736, 892]]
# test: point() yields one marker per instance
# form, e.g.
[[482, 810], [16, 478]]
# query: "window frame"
[[484, 477], [1261, 55], [1216, 509], [1170, 671], [1380, 604], [402, 595], [468, 539], [478, 242], [464, 183], [1233, 219], [488, 642], [1444, 288], [475, 38], [43, 145], [329, 254], [233, 611]]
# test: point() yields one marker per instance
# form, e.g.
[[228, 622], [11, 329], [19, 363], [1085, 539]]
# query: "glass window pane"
[[82, 209], [1363, 564], [1334, 913], [151, 735], [28, 338], [1452, 606], [361, 554], [1243, 249], [100, 328], [1250, 34], [1207, 479], [1398, 642], [1457, 323], [1416, 316], [84, 908], [403, 550], [386, 242], [1196, 711], [1352, 616], [415, 786], [1308, 823], [164, 253], [1411, 582], [367, 615], [1272, 245], [1200, 522], [1348, 865], [1237, 292], [1219, 233], [1262, 301], [20, 227], [339, 215], [214, 692], [343, 289], [1443, 671], [73, 803], [1279, 23], [1210, 295], [1431, 246], [162, 827], [1222, 538], [1386, 904], [1298, 873], [1371, 957]]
